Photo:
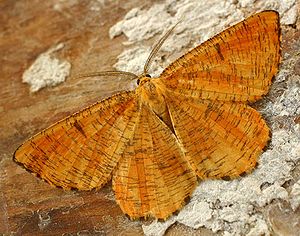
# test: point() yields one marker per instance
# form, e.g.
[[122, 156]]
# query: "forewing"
[[153, 177], [82, 150], [221, 139], [236, 65]]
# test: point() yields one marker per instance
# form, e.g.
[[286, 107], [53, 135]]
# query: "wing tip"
[[48, 181]]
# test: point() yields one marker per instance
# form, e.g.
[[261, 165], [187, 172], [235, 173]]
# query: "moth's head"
[[143, 79]]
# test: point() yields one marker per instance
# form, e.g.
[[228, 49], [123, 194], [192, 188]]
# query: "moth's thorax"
[[151, 94]]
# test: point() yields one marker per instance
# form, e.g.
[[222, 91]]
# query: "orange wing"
[[153, 177], [236, 65], [82, 150], [220, 139]]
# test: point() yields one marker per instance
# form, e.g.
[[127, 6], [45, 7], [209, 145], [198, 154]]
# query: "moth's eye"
[[147, 75], [138, 81]]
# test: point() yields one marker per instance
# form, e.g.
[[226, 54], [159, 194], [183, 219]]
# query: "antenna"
[[157, 47], [107, 73]]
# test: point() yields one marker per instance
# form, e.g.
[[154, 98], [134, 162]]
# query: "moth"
[[191, 123]]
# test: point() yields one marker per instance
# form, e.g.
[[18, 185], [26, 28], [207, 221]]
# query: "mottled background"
[[46, 42]]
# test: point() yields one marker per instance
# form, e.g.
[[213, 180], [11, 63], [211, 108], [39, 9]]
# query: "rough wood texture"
[[29, 206]]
